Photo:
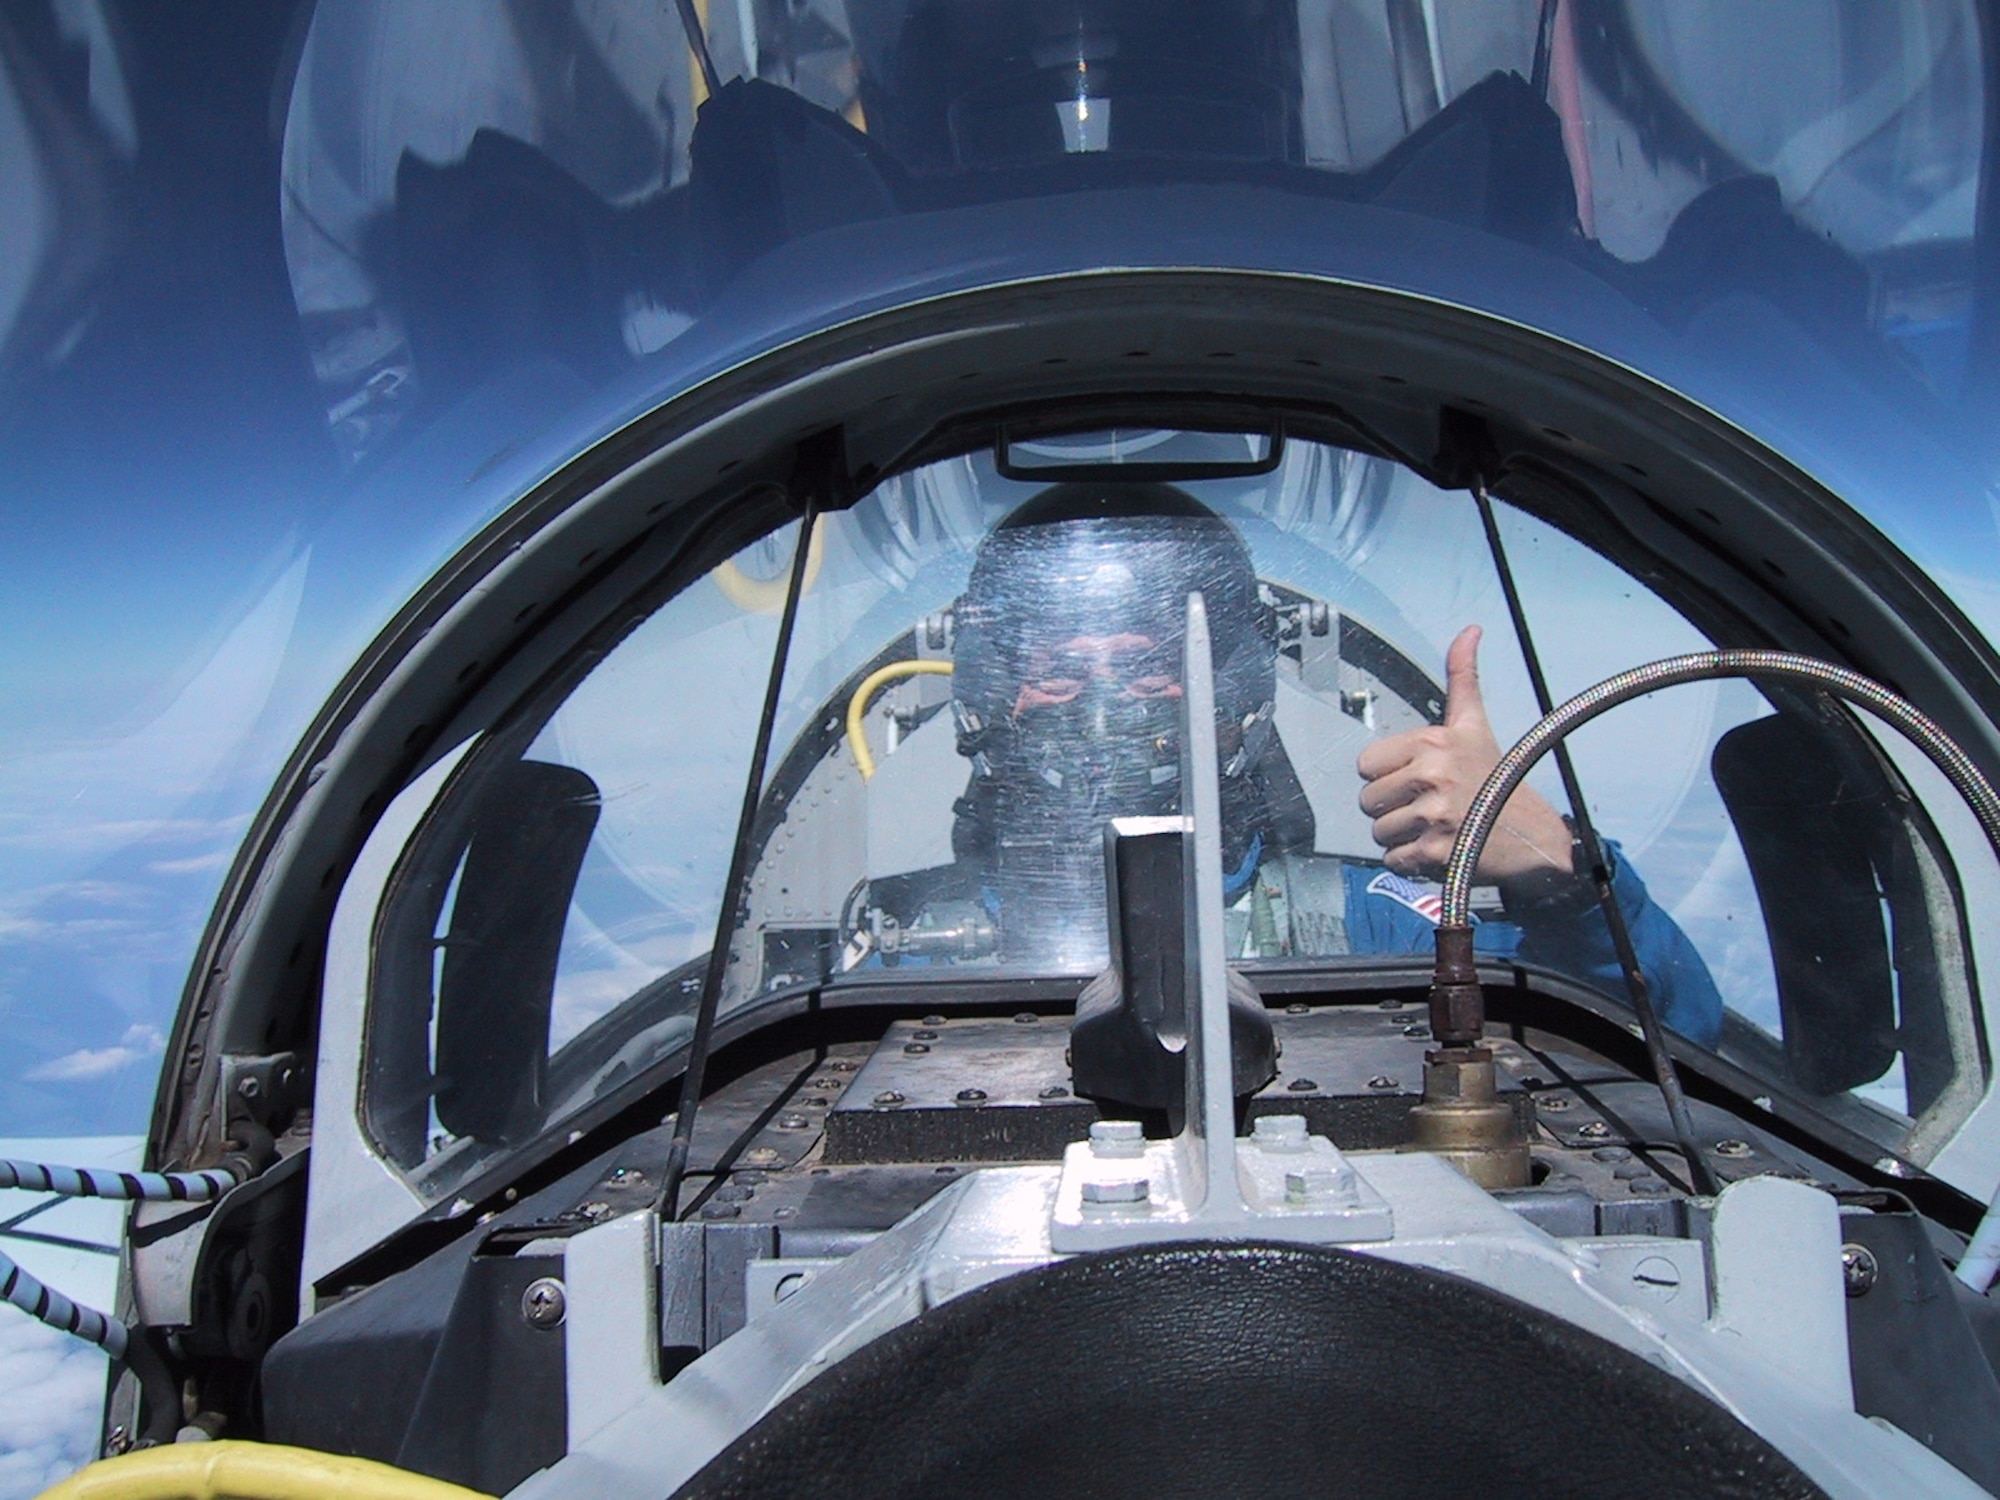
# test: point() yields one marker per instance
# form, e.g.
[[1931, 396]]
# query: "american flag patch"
[[1425, 902]]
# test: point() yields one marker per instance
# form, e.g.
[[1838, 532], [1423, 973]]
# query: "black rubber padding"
[[1228, 1372]]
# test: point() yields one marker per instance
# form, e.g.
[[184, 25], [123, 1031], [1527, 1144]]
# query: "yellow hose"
[[247, 1471], [873, 683]]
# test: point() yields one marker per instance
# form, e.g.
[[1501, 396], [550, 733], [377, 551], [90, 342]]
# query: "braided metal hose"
[[1781, 666]]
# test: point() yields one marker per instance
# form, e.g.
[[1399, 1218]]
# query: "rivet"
[[1381, 1081], [888, 1098], [972, 1096], [1303, 1085], [1732, 1148]]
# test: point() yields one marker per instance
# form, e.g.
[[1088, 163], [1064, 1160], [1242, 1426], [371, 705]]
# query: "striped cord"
[[51, 1307], [91, 1182]]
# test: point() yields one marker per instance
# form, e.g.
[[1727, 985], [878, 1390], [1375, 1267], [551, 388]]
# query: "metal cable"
[[703, 1039], [47, 1305], [1598, 869], [141, 1187], [1782, 666]]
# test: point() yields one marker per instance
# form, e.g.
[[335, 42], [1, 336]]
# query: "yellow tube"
[[247, 1471], [873, 683]]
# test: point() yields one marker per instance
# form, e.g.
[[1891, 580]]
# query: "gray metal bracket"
[[1280, 1183]]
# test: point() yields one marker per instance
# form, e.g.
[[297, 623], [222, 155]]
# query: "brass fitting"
[[1462, 1119]]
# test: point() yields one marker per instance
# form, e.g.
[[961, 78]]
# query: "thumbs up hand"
[[1420, 784]]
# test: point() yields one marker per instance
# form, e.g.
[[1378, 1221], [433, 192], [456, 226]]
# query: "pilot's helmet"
[[1069, 645]]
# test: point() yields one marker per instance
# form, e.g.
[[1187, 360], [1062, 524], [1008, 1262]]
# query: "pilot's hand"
[[1420, 784]]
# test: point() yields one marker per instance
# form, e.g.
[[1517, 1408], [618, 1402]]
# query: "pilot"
[[1066, 695]]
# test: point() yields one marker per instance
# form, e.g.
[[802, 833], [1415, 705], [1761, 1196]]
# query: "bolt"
[[916, 1049], [544, 1304], [971, 1096], [1298, 1008], [1316, 1183], [1117, 1190], [595, 1211], [1280, 1132], [1611, 1153], [1732, 1148], [842, 1065], [1113, 1138], [1054, 1091], [248, 1086], [1303, 1085], [620, 1176], [888, 1098], [1381, 1081], [1858, 1269], [1593, 1130]]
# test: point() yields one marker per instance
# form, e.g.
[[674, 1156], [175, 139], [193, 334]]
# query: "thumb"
[[1462, 702]]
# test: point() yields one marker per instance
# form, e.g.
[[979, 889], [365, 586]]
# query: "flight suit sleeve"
[[1389, 914]]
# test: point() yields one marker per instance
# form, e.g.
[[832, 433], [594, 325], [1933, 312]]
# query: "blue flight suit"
[[1389, 914]]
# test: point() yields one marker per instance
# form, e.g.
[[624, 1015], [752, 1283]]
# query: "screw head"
[[1859, 1269], [544, 1303], [1303, 1085]]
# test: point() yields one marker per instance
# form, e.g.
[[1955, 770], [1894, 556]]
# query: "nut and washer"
[[1858, 1269], [1319, 1184], [1117, 1191], [1280, 1133], [544, 1303], [1116, 1138]]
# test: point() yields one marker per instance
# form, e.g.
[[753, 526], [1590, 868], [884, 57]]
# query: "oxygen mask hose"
[[1456, 1000]]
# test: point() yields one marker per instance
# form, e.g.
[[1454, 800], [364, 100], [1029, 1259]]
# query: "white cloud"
[[87, 1063], [54, 1387]]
